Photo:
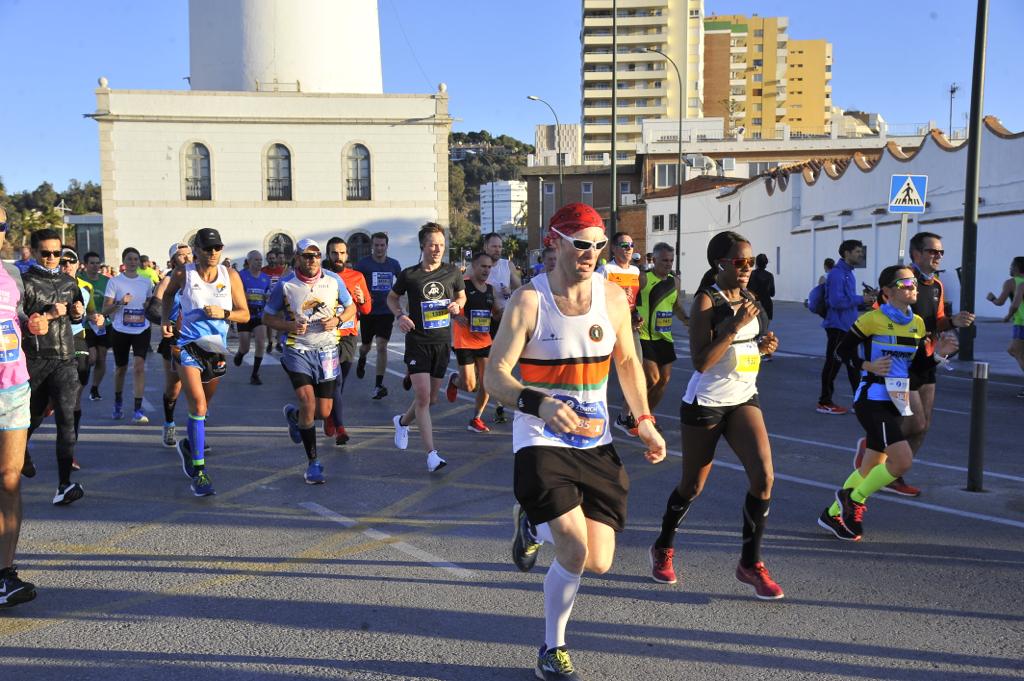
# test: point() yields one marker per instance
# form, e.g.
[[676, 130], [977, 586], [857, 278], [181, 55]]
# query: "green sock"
[[851, 483], [878, 478]]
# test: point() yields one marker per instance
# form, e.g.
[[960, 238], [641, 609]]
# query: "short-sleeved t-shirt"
[[316, 302], [257, 289], [476, 333], [130, 318], [430, 294], [380, 277]]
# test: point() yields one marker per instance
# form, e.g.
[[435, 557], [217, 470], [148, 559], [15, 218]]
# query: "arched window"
[[279, 173], [358, 247], [357, 182], [197, 173], [283, 243]]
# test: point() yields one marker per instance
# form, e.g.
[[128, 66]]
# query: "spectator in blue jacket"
[[844, 305]]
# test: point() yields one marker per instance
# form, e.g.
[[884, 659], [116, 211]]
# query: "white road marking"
[[403, 547]]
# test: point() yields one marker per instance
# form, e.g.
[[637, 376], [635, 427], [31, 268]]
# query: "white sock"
[[560, 587], [542, 533]]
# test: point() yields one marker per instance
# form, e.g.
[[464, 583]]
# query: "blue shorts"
[[311, 367], [1018, 332], [14, 407]]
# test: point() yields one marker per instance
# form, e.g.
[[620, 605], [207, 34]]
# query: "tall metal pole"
[[558, 148], [679, 163], [492, 206], [970, 239], [540, 216], [952, 93], [614, 208]]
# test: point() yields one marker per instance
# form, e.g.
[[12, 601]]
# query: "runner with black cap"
[[211, 298]]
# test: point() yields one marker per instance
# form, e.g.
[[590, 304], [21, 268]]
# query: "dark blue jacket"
[[843, 299]]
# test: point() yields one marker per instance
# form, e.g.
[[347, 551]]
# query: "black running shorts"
[[466, 356], [926, 377], [125, 343], [423, 358], [661, 352], [166, 346], [376, 326], [882, 423], [702, 416], [551, 481], [92, 340], [250, 326]]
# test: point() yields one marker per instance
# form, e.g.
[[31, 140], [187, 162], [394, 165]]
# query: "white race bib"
[[899, 393]]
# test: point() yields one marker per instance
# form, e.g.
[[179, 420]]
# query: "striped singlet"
[[568, 358]]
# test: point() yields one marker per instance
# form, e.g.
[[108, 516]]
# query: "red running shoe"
[[661, 565], [341, 437], [899, 486], [452, 391], [478, 426], [757, 576], [858, 457], [830, 408], [329, 427]]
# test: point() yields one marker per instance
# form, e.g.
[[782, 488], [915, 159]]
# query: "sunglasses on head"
[[213, 249], [583, 244], [906, 284], [49, 254], [739, 262]]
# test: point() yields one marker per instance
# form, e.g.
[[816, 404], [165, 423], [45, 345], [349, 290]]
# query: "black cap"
[[207, 237]]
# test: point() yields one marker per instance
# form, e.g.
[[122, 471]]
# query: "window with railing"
[[357, 183], [658, 223], [197, 173], [279, 173]]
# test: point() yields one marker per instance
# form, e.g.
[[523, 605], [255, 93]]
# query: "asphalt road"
[[388, 572]]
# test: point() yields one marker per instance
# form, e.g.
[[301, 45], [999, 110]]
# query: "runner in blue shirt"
[[380, 272], [256, 284]]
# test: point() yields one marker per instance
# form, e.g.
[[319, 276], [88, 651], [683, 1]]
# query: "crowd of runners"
[[546, 348]]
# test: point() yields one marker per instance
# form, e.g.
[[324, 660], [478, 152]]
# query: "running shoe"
[[435, 462], [201, 484], [255, 380], [13, 590], [270, 347], [899, 486], [118, 413], [757, 576], [94, 395], [185, 453], [314, 474], [401, 433], [1021, 394], [28, 469], [830, 408], [361, 368], [67, 494], [238, 359], [329, 428], [341, 438], [291, 415], [852, 512], [861, 449], [75, 466], [169, 432], [477, 425], [499, 414], [555, 665], [452, 391], [407, 382], [279, 347], [48, 411], [834, 524], [662, 570], [379, 392], [139, 417], [627, 425], [525, 547]]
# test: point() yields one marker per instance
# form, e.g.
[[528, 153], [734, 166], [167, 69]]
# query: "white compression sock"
[[543, 534], [560, 587]]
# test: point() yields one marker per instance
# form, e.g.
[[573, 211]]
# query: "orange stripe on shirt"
[[572, 374]]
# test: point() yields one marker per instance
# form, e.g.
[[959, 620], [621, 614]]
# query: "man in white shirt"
[[505, 279], [125, 303]]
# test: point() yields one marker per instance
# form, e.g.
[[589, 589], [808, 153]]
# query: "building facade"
[[502, 206], [549, 141], [644, 83]]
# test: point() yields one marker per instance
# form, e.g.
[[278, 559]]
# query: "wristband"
[[646, 417], [529, 401]]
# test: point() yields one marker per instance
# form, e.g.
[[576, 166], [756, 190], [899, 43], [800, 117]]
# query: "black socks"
[[169, 405], [755, 516], [675, 511], [309, 441], [379, 380]]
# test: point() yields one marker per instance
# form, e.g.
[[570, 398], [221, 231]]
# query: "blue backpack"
[[817, 300]]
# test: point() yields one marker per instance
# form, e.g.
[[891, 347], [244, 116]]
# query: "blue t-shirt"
[[380, 277], [257, 290], [26, 265]]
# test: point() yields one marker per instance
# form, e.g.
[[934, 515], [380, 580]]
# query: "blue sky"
[[896, 58]]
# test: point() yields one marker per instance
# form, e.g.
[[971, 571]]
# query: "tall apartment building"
[[549, 142], [756, 78], [502, 205], [647, 83]]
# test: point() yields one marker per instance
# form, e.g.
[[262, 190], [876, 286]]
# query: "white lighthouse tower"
[[325, 46]]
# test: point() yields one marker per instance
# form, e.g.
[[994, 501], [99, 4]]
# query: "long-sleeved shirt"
[[842, 296]]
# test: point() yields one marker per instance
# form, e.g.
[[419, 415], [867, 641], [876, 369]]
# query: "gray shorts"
[[14, 407], [320, 366]]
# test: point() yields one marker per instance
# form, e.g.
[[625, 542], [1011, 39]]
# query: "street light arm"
[[558, 145]]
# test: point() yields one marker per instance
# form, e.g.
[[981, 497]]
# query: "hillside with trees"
[[28, 211]]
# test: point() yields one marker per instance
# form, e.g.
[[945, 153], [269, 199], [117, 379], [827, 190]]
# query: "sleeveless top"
[[1018, 316], [501, 275], [733, 378], [656, 306], [13, 370], [196, 327], [569, 359]]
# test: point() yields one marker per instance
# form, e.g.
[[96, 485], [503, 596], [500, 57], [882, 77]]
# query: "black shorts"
[[882, 423], [323, 390], [551, 481], [123, 343], [661, 352], [92, 340], [702, 416], [466, 356], [376, 326], [926, 377], [423, 358], [347, 348], [495, 323], [165, 346], [250, 325]]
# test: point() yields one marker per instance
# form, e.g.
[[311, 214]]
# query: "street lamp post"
[[558, 146], [679, 163]]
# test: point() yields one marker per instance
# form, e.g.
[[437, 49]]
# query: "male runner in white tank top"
[[563, 329], [505, 280]]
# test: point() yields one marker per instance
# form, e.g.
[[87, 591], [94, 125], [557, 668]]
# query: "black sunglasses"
[[213, 249], [68, 261], [625, 245], [3, 227], [49, 254], [309, 256]]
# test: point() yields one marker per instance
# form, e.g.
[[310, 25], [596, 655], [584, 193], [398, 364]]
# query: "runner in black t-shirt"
[[435, 292]]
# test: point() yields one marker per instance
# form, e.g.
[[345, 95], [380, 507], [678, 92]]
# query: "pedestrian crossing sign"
[[907, 193]]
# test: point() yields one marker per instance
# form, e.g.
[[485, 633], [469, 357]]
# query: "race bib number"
[[480, 321], [10, 347], [899, 393], [255, 295], [663, 321], [593, 421], [381, 281], [748, 359], [435, 314], [329, 363], [134, 317]]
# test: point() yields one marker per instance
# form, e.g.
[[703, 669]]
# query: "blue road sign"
[[907, 193]]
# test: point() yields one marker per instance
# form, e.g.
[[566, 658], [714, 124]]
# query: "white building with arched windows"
[[284, 134]]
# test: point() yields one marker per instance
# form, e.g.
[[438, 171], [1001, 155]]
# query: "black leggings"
[[55, 381], [831, 367]]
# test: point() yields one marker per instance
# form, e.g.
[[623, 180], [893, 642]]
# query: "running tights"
[[55, 381]]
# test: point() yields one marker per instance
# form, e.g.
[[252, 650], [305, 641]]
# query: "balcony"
[[597, 75], [279, 189], [597, 110], [197, 188], [737, 49], [357, 189], [597, 39], [737, 82], [644, 21], [642, 39]]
